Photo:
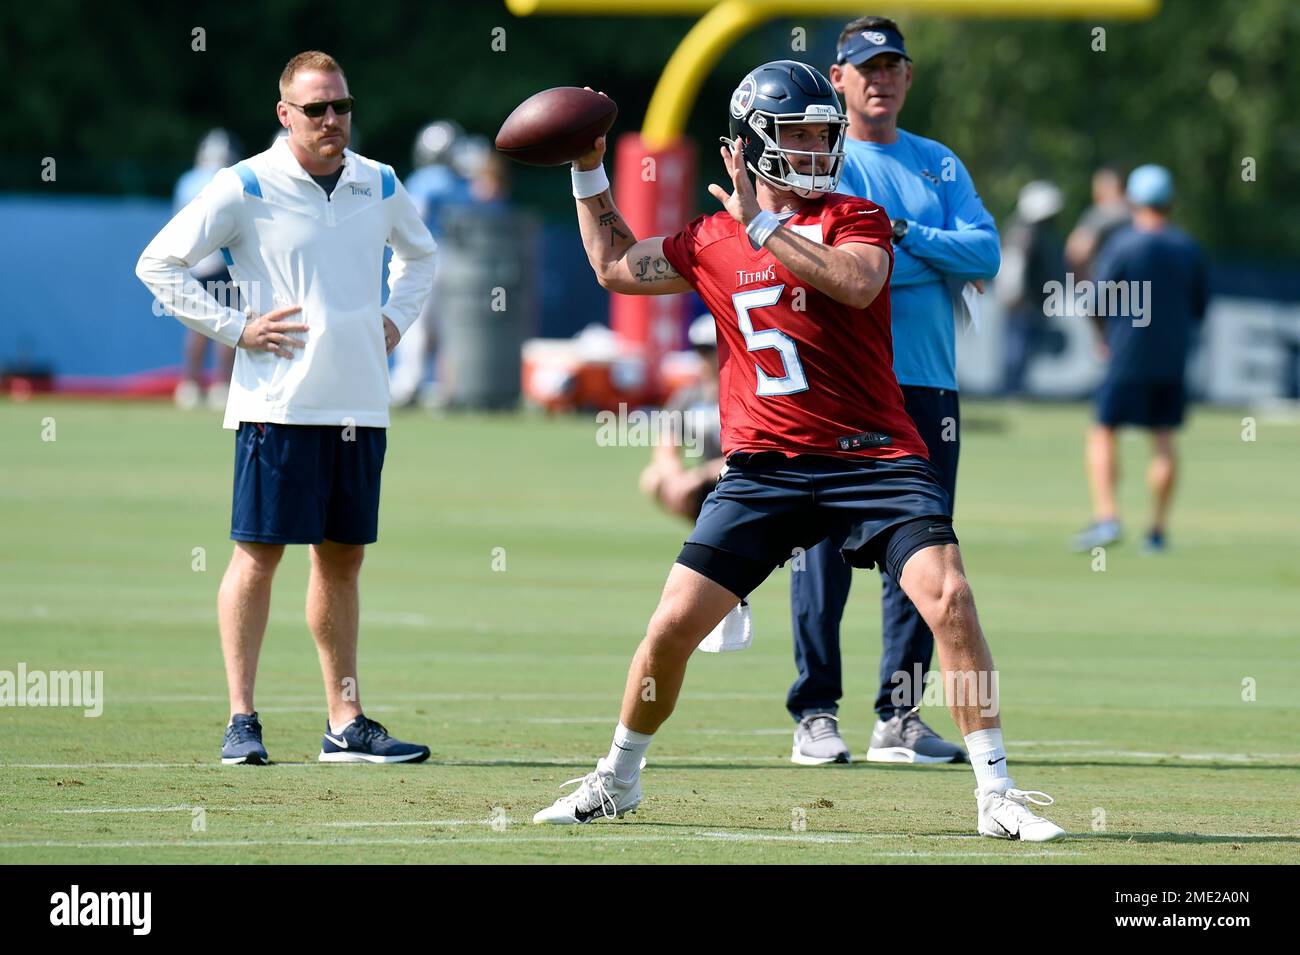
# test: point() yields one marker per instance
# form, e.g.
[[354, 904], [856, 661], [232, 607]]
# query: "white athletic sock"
[[626, 753], [989, 760], [338, 730]]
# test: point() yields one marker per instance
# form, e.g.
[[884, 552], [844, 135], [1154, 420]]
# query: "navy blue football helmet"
[[785, 93]]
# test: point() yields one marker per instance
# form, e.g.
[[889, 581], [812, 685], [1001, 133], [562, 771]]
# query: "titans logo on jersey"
[[800, 372]]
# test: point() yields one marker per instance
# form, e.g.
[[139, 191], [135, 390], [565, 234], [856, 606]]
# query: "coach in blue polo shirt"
[[943, 236]]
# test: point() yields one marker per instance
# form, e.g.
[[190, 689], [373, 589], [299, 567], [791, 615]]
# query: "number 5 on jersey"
[[793, 381]]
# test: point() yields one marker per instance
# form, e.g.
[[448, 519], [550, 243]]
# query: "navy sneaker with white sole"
[[243, 742], [366, 741]]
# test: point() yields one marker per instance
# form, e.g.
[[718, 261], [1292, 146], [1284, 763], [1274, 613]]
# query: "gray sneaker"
[[1097, 534], [817, 741], [906, 739]]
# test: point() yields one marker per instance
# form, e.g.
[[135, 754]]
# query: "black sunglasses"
[[317, 110]]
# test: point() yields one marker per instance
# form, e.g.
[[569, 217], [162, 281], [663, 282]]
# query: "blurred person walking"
[[1159, 271]]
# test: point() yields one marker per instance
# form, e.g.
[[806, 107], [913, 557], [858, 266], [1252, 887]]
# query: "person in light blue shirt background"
[[434, 185], [435, 182], [943, 238], [217, 150]]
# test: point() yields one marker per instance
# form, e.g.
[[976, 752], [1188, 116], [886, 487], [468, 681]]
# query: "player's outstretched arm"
[[621, 263], [852, 273]]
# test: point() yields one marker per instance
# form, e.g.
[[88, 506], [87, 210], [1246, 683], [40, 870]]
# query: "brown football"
[[556, 126]]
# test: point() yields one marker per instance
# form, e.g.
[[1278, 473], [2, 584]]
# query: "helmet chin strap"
[[804, 192], [794, 190]]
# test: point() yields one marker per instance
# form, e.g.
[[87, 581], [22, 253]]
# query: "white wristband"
[[762, 226], [589, 182]]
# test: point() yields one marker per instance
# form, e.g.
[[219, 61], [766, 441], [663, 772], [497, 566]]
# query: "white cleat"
[[1007, 815], [598, 796]]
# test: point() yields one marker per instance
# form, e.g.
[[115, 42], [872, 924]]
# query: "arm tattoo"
[[654, 268], [609, 219]]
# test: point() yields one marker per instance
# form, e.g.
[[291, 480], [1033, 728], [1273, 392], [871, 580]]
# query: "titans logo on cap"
[[863, 46]]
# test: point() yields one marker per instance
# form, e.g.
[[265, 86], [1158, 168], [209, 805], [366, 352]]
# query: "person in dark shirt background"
[[1160, 274]]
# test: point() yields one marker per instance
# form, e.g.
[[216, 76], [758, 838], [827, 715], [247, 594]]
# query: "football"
[[555, 126]]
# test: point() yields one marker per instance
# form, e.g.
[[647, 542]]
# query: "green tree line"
[[119, 94]]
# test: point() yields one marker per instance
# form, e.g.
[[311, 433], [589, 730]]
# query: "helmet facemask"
[[779, 165]]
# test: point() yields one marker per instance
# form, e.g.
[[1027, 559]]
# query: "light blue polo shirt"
[[951, 236]]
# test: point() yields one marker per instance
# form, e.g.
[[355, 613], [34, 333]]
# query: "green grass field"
[[1122, 690]]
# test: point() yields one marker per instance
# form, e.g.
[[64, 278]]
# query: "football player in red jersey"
[[817, 439]]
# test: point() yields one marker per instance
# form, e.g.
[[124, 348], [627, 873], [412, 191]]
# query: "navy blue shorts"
[[1147, 404], [303, 484], [877, 512]]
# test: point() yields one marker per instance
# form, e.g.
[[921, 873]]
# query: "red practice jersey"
[[799, 370]]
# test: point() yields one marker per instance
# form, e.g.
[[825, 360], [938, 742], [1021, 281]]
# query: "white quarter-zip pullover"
[[287, 243]]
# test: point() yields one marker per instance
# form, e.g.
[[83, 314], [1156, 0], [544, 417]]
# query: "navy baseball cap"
[[864, 45]]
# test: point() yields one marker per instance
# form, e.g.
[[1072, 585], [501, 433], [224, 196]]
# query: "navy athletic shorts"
[[1147, 404], [877, 511], [302, 484]]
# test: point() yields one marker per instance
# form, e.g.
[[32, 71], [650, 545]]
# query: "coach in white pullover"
[[302, 228]]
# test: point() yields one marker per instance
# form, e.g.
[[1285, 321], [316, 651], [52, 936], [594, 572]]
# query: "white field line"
[[431, 823], [90, 810], [748, 837], [1135, 754], [382, 823], [1141, 758], [838, 839], [352, 843], [843, 837], [607, 698], [1110, 836], [404, 823]]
